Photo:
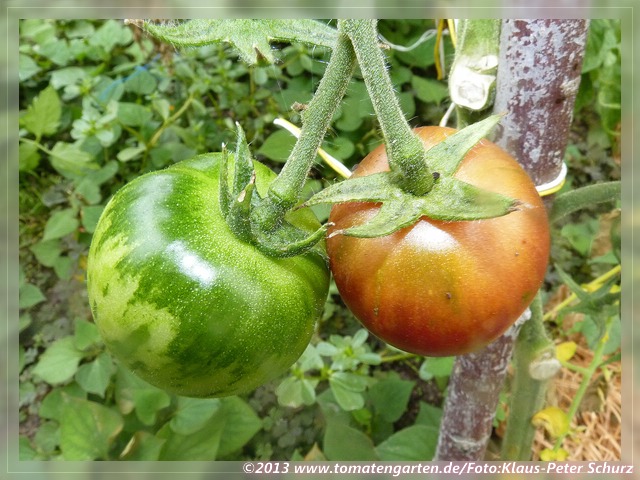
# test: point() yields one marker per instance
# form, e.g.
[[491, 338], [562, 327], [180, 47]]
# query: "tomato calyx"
[[449, 199], [240, 200]]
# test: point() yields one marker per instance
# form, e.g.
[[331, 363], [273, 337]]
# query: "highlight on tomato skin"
[[440, 288]]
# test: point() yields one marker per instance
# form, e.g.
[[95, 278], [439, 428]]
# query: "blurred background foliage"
[[101, 103]]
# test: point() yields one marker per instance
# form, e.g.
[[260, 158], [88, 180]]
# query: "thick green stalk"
[[535, 364], [405, 151], [472, 81], [285, 190]]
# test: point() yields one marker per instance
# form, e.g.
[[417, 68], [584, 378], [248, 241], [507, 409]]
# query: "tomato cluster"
[[193, 309]]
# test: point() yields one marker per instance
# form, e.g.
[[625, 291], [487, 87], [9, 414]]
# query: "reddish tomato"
[[444, 288]]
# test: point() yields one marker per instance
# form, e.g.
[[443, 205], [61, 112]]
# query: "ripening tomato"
[[439, 288], [184, 303]]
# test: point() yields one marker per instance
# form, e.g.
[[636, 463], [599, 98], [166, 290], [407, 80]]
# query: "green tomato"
[[185, 304]]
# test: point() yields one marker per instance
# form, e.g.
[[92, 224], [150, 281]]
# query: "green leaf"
[[87, 430], [90, 215], [110, 34], [47, 252], [67, 76], [193, 413], [59, 362], [27, 67], [429, 415], [390, 397], [86, 334], [241, 424], [581, 235], [63, 267], [415, 443], [29, 157], [89, 186], [24, 321], [60, 224], [201, 445], [345, 443], [340, 147], [57, 51], [436, 367], [70, 161], [250, 38], [592, 328], [141, 82], [278, 146], [429, 90], [149, 402], [26, 451], [294, 392], [133, 115], [134, 393], [53, 403], [43, 115], [310, 359], [347, 389], [143, 446], [95, 376], [130, 153], [30, 295]]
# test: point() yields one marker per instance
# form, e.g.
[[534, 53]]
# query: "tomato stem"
[[528, 393], [405, 151], [284, 192]]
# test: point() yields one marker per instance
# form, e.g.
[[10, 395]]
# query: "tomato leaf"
[[250, 38]]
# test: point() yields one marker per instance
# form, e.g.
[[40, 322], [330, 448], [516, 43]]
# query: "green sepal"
[[445, 157], [241, 198], [450, 199], [244, 171], [393, 216], [378, 187], [224, 191], [249, 37], [287, 240], [236, 200]]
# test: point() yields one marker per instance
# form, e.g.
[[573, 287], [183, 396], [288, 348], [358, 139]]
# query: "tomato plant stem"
[[535, 364], [284, 192], [405, 151]]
